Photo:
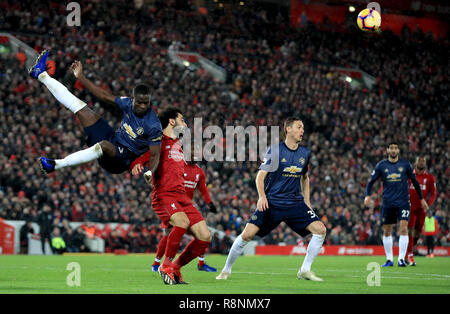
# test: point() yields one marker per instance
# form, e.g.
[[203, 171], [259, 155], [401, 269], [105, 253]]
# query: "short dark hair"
[[167, 114], [141, 89], [392, 143], [288, 122]]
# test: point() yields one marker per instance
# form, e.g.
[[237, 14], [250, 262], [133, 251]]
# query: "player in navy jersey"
[[139, 132], [284, 195], [394, 172]]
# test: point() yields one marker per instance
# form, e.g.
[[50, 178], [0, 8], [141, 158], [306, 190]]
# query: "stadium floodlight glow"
[[242, 3], [186, 63], [348, 79], [351, 8]]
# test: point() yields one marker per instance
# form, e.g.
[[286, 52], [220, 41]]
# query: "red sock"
[[193, 249], [161, 247], [173, 244], [410, 246]]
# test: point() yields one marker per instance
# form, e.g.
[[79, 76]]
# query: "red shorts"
[[168, 204], [416, 219]]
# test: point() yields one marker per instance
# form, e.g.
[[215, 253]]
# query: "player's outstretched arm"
[[100, 93], [262, 204]]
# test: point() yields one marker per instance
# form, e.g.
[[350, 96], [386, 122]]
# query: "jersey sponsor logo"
[[129, 131], [176, 155], [394, 176], [292, 169], [423, 187], [190, 184]]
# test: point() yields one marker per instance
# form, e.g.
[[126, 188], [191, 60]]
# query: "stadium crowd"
[[273, 72]]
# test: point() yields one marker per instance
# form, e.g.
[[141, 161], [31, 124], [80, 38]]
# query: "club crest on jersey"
[[283, 160], [197, 177], [302, 161], [386, 170], [140, 130], [254, 217], [400, 169]]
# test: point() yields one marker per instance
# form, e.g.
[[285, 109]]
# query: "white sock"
[[387, 243], [157, 260], [313, 250], [61, 93], [201, 258], [80, 157], [403, 246], [236, 249]]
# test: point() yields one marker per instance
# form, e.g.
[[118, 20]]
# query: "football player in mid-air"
[[394, 172], [282, 183], [139, 132]]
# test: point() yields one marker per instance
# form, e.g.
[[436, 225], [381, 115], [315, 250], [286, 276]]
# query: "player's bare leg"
[[318, 230], [237, 248], [403, 242]]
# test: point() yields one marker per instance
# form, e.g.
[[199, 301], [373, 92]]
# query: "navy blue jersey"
[[395, 181], [135, 133], [285, 166]]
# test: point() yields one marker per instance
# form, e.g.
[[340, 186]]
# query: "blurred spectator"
[[26, 229], [45, 220], [72, 244], [57, 242]]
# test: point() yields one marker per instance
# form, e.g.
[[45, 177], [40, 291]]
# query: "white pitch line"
[[346, 276]]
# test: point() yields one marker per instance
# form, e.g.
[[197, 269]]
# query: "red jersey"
[[169, 176], [195, 178], [427, 184]]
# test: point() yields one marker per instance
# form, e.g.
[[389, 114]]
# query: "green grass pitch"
[[251, 275]]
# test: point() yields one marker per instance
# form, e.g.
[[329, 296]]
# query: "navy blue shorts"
[[101, 131], [297, 218], [390, 215]]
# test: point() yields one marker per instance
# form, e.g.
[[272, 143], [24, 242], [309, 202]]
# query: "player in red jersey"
[[170, 202], [194, 179], [416, 220]]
